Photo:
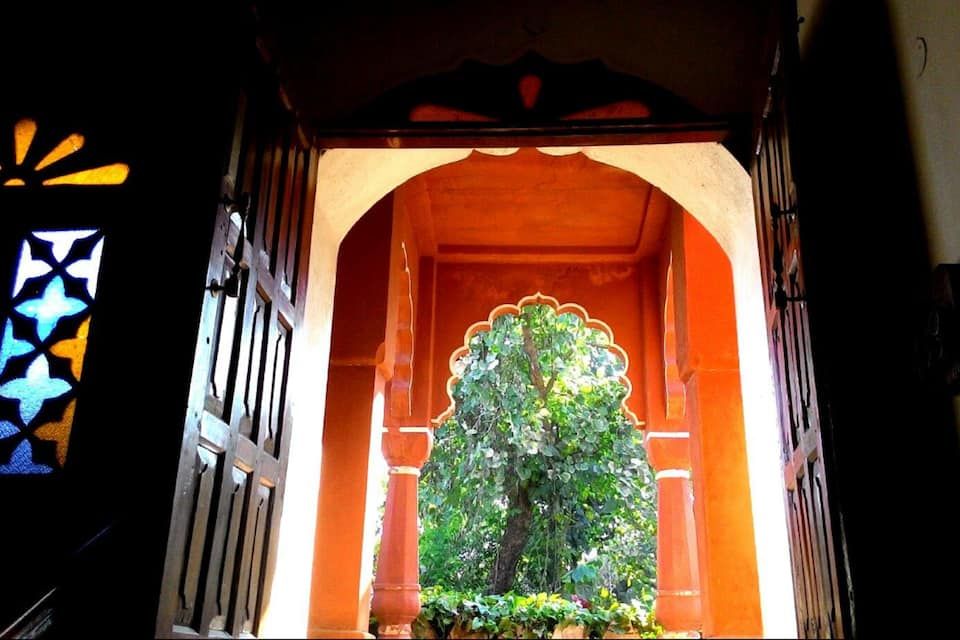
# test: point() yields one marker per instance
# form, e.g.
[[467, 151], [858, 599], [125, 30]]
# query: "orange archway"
[[707, 182]]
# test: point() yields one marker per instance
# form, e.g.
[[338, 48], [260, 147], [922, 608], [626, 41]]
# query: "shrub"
[[532, 616]]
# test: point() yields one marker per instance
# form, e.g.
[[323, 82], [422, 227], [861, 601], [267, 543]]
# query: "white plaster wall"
[[932, 101], [931, 95], [933, 112]]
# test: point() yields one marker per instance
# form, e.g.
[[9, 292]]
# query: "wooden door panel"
[[262, 508], [779, 215], [278, 233], [230, 484], [256, 351], [224, 578], [202, 507], [291, 244], [270, 204], [278, 390], [261, 420], [224, 365]]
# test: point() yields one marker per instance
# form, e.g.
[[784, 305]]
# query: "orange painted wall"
[[709, 367], [339, 601], [467, 292], [360, 298]]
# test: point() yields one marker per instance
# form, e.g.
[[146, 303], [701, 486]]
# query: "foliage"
[[533, 616], [539, 427]]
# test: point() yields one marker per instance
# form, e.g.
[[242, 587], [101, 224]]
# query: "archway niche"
[[538, 298], [706, 180]]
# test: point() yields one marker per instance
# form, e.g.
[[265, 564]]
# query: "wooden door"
[[814, 542], [230, 484]]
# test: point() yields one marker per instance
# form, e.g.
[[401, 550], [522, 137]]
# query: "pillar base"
[[678, 610], [339, 633], [395, 631]]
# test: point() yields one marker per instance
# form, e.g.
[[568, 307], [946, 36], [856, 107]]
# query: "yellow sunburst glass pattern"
[[22, 176]]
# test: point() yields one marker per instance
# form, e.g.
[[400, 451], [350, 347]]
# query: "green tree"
[[539, 482]]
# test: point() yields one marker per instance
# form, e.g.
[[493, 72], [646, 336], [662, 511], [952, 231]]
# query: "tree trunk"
[[515, 537], [520, 521]]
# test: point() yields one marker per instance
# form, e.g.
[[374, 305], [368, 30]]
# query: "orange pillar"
[[396, 590], [678, 581], [667, 442], [340, 594], [709, 366]]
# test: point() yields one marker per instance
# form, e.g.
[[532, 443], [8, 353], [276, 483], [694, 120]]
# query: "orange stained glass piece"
[[70, 144], [59, 431], [14, 182], [23, 133], [108, 174], [74, 348]]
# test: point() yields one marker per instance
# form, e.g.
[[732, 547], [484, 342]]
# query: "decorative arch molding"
[[401, 400], [529, 89], [673, 384], [559, 309], [531, 99]]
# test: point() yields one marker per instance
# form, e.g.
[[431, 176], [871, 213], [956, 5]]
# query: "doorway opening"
[[419, 282]]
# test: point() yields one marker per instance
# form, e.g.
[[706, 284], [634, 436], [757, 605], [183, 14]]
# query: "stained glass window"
[[31, 166], [42, 344]]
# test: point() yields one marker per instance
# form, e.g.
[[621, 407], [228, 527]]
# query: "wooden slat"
[[303, 234], [291, 249], [237, 616], [278, 388], [255, 351], [247, 453], [266, 210], [263, 508], [224, 579], [262, 417], [214, 433], [269, 470], [267, 242], [190, 577], [281, 228]]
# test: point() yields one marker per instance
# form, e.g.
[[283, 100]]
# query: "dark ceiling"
[[336, 58]]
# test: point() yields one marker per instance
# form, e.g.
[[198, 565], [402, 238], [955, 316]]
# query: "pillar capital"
[[668, 449], [407, 448]]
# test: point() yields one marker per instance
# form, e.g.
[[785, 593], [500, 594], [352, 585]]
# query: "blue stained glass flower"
[[29, 268], [88, 269], [21, 462], [11, 346], [62, 241], [7, 429], [48, 309], [34, 389]]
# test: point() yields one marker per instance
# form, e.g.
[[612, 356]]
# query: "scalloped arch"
[[515, 309]]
